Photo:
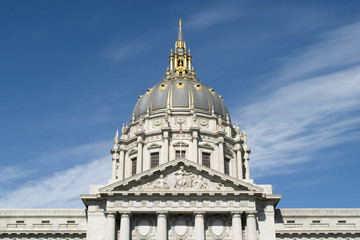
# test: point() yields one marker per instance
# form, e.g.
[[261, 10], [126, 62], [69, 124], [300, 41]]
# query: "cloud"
[[120, 51], [11, 173], [297, 117], [336, 49], [212, 16], [62, 189]]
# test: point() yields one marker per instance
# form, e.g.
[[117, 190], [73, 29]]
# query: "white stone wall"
[[160, 133], [317, 223], [43, 224]]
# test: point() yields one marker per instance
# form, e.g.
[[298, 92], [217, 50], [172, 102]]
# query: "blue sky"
[[71, 72]]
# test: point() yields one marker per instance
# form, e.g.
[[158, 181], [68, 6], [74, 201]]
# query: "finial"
[[116, 138], [180, 34], [189, 51], [171, 51], [244, 135]]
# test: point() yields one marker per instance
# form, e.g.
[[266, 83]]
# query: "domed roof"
[[180, 94], [180, 89]]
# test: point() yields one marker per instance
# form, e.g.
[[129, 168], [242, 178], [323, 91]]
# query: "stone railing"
[[16, 225], [68, 225], [319, 225], [345, 225], [293, 225], [42, 225]]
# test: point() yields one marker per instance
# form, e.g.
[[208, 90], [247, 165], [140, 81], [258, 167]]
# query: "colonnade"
[[199, 231]]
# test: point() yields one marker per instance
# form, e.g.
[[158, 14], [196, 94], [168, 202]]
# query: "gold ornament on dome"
[[197, 86], [163, 87], [148, 91], [180, 85]]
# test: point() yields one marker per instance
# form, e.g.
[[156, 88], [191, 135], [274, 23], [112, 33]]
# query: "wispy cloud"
[[118, 52], [11, 173], [301, 115], [336, 49], [214, 15], [61, 190]]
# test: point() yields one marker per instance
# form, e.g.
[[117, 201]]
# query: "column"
[[189, 63], [195, 146], [236, 228], [171, 63], [110, 226], [113, 172], [199, 226], [121, 165], [161, 227], [221, 154], [185, 62], [125, 226], [165, 146], [246, 163], [165, 150], [240, 165], [139, 159], [251, 226]]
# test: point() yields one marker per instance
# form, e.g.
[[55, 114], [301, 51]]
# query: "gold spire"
[[180, 23]]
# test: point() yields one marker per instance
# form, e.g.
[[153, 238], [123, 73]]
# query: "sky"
[[71, 73]]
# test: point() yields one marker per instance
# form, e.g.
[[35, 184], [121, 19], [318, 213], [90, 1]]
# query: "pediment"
[[207, 146], [180, 144], [153, 146], [181, 175]]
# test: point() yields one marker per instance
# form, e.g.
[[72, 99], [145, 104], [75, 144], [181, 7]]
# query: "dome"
[[180, 94], [180, 90]]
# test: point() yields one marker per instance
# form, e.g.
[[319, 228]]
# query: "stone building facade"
[[180, 171]]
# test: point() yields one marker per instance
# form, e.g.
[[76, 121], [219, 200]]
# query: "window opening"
[[226, 166], [206, 159], [177, 154], [133, 166], [154, 159]]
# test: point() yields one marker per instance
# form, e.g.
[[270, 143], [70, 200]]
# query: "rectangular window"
[[177, 154], [290, 221], [70, 221], [206, 159], [133, 166], [154, 159], [226, 166], [45, 221], [316, 221], [20, 221], [342, 221]]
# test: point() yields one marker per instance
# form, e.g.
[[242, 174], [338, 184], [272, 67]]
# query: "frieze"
[[180, 120], [50, 212], [203, 122], [180, 203], [157, 123], [182, 180]]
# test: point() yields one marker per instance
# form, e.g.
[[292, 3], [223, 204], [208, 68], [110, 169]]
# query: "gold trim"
[[180, 85], [148, 91], [163, 86], [197, 86]]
